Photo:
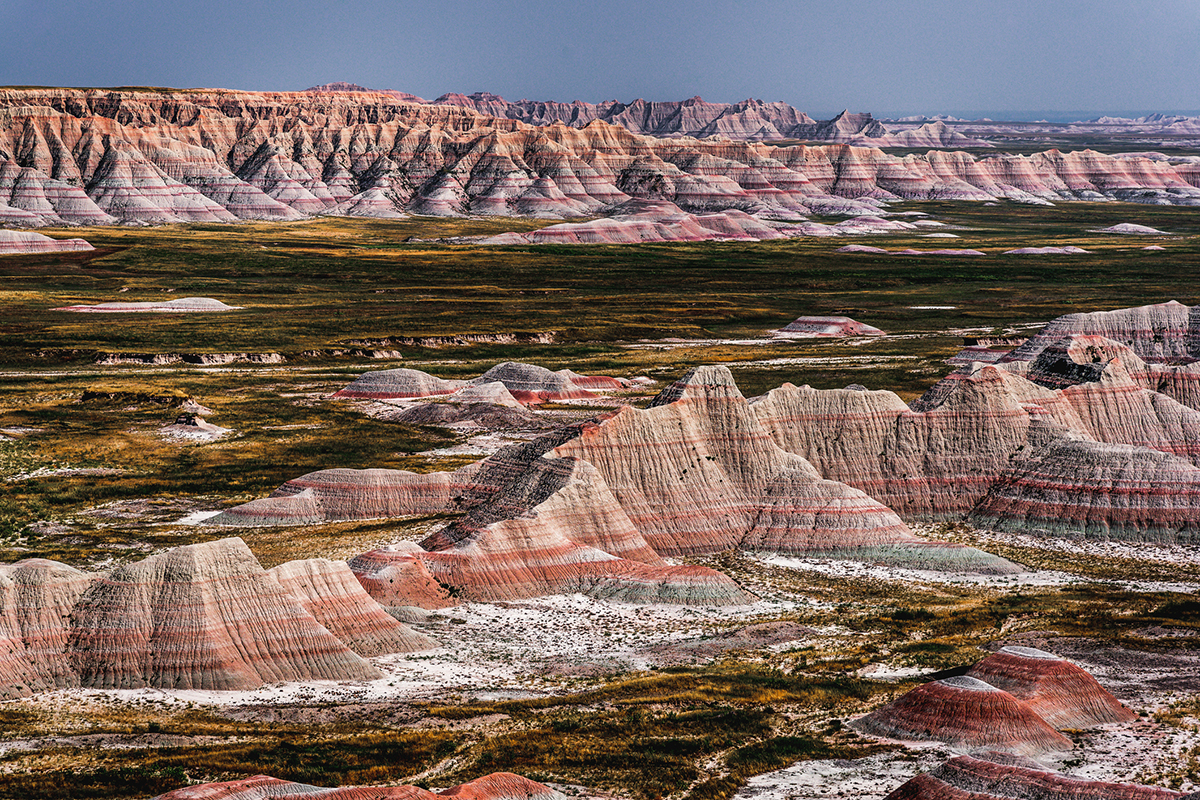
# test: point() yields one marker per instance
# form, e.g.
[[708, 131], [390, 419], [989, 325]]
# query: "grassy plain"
[[101, 482]]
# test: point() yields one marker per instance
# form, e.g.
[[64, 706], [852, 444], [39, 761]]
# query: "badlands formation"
[[497, 786], [1014, 701], [204, 616], [88, 157]]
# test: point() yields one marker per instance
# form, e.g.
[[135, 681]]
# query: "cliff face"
[[99, 157]]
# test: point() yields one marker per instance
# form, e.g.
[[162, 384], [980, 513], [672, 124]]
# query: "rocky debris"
[[1045, 251], [193, 426], [1061, 693], [497, 786], [95, 156], [750, 637], [180, 305], [22, 242], [987, 777], [965, 713], [199, 359], [330, 592], [457, 340], [397, 384], [809, 327], [1130, 229]]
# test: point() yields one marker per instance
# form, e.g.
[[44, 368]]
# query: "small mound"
[[529, 383], [497, 786], [27, 242], [182, 305], [1045, 251], [807, 327], [495, 393], [861, 248], [1130, 229], [967, 713], [1060, 692], [397, 384], [487, 416]]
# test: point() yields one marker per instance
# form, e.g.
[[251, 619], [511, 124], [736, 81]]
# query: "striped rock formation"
[[593, 507], [1061, 693], [25, 242], [975, 778], [530, 384], [396, 576], [341, 494], [181, 305], [36, 598], [1161, 333], [397, 384], [201, 617], [809, 327], [92, 156], [497, 786], [966, 714], [332, 594]]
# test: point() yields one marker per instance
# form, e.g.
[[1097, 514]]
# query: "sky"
[[1020, 59]]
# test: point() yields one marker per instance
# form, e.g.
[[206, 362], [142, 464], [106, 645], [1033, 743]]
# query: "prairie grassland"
[[92, 483]]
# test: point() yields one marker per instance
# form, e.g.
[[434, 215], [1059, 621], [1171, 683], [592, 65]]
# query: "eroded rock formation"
[[965, 713], [980, 778], [809, 327], [26, 242], [180, 305], [204, 616], [497, 786], [95, 157]]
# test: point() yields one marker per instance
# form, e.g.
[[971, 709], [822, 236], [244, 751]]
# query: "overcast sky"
[[888, 57]]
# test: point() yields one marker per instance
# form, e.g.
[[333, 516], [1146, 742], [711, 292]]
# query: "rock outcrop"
[[25, 242], [1061, 693], [201, 617], [180, 305], [338, 494], [97, 156], [398, 384], [497, 786], [980, 778], [593, 507], [810, 327], [1069, 433], [965, 713]]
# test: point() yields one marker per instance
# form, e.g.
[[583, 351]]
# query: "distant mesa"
[[965, 713], [994, 777], [181, 305], [497, 786], [29, 242], [342, 86], [204, 616], [1130, 229], [823, 327]]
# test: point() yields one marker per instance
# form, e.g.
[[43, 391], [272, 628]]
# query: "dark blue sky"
[[885, 56]]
